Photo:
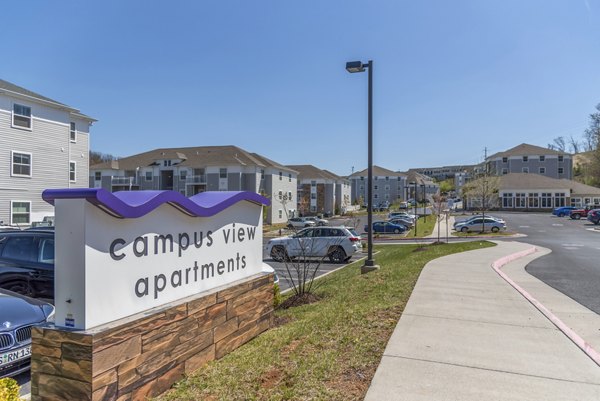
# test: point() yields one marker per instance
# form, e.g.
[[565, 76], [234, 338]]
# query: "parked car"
[[487, 216], [300, 222], [27, 262], [403, 205], [576, 214], [18, 314], [563, 211], [480, 224], [318, 221], [404, 215], [408, 223], [594, 216], [386, 227], [338, 244]]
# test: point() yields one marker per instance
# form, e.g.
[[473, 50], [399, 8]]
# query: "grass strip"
[[327, 350]]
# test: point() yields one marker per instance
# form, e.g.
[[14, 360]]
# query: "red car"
[[579, 213]]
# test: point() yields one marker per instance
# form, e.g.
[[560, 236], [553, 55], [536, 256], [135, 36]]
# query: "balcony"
[[123, 181], [195, 179]]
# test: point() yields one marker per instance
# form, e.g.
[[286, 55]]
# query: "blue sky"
[[450, 77]]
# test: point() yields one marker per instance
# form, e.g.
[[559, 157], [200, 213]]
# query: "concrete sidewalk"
[[467, 334]]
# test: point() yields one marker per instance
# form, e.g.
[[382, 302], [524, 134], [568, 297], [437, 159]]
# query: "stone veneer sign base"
[[143, 355]]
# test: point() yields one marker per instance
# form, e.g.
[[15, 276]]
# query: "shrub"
[[9, 389]]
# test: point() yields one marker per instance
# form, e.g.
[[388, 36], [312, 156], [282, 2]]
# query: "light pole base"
[[369, 266]]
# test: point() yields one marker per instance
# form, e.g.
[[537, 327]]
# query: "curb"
[[572, 335]]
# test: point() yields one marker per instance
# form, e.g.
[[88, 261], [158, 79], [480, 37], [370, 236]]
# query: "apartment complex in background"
[[193, 170], [321, 191], [388, 186], [531, 159], [444, 172], [43, 144]]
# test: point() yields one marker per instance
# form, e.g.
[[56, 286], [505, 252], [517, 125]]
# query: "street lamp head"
[[355, 66]]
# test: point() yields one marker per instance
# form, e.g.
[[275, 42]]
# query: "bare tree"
[[483, 193], [574, 145], [302, 267], [559, 144]]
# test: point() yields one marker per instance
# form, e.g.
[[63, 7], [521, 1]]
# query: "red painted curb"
[[572, 335]]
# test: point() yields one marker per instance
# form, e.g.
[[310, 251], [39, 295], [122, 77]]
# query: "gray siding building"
[[388, 186], [530, 159], [204, 168], [43, 144]]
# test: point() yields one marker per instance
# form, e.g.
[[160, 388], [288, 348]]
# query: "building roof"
[[526, 149], [378, 171], [198, 156], [308, 171], [9, 87], [525, 181]]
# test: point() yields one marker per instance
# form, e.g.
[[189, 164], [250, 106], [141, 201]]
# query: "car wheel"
[[337, 255], [20, 287], [290, 226], [306, 225], [596, 222], [495, 229], [561, 215], [575, 216], [278, 253], [464, 230], [396, 231]]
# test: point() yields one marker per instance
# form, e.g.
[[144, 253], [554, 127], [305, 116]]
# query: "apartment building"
[[531, 159], [321, 191], [388, 186], [193, 170], [444, 172], [43, 144]]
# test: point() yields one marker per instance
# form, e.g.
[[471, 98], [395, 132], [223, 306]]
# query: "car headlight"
[[49, 312]]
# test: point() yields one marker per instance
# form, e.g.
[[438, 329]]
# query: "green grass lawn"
[[328, 350], [425, 227]]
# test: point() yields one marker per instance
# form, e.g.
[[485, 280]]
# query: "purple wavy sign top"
[[133, 204]]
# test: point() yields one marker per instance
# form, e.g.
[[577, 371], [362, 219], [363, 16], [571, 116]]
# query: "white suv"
[[336, 243]]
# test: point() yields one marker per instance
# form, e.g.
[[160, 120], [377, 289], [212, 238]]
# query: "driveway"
[[573, 267]]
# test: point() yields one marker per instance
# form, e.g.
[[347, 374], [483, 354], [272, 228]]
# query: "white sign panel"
[[110, 265]]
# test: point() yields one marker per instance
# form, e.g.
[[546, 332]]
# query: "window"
[[362, 187], [280, 213], [21, 116], [561, 170], [507, 200], [546, 200], [362, 178], [289, 195], [520, 200], [559, 199], [313, 183], [148, 175], [542, 158], [387, 178], [289, 177], [560, 158], [21, 164], [280, 176], [525, 169], [504, 171], [375, 187], [73, 133], [313, 208], [262, 174], [505, 160], [21, 248], [542, 170], [182, 175], [525, 158], [167, 163], [376, 196], [98, 175], [313, 196], [72, 175], [280, 195], [534, 200], [20, 211], [47, 251], [222, 173], [387, 187]]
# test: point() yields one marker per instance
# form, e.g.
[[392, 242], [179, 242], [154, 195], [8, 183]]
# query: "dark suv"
[[594, 216], [27, 262]]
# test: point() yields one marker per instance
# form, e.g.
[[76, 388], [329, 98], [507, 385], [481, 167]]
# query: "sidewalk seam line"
[[480, 321], [489, 369]]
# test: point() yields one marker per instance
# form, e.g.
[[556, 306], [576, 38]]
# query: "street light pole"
[[423, 192], [415, 206], [352, 67]]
